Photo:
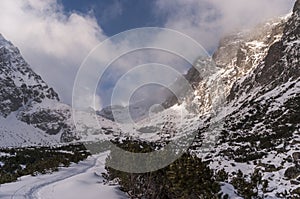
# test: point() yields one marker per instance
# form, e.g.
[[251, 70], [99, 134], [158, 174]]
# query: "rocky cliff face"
[[20, 86], [260, 129], [24, 94], [281, 63], [238, 54], [30, 110]]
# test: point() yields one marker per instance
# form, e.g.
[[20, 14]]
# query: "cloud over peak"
[[208, 20], [55, 43], [52, 42]]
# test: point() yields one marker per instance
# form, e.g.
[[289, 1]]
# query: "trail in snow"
[[77, 181]]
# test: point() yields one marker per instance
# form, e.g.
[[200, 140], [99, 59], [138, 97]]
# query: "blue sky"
[[115, 16]]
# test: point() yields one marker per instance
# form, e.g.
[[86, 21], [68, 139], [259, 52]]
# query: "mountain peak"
[[4, 42], [20, 85], [297, 6], [26, 97]]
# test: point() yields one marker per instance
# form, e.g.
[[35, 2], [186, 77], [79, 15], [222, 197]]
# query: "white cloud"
[[208, 20], [53, 43]]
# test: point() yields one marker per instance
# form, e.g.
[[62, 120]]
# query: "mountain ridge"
[[25, 95], [260, 122]]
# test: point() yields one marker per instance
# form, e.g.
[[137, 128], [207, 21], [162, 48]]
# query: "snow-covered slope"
[[20, 86], [237, 55], [261, 118], [30, 111], [82, 180], [14, 133]]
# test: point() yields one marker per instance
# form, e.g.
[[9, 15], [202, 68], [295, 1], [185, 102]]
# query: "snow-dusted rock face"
[[30, 110], [25, 95], [238, 54], [19, 85], [281, 63], [261, 117]]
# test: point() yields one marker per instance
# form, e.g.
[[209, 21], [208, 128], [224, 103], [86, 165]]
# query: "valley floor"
[[82, 180]]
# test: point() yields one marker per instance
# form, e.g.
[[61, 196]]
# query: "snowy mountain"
[[237, 55], [253, 91], [20, 86], [30, 111], [137, 111], [260, 119], [257, 133]]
